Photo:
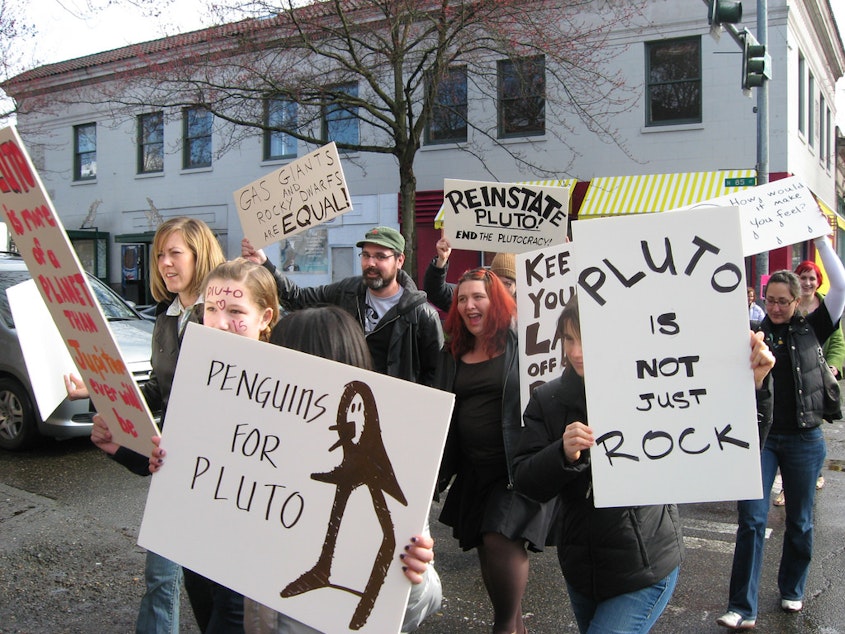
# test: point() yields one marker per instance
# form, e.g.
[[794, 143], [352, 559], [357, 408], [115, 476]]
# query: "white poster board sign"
[[546, 280], [302, 194], [670, 391], [47, 360], [504, 217], [270, 452], [774, 215], [53, 264]]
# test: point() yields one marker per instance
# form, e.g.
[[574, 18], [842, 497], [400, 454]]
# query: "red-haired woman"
[[479, 365]]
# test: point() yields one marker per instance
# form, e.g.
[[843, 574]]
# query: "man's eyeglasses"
[[783, 303], [379, 257]]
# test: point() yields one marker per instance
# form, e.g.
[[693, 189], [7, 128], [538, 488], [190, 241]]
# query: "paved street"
[[69, 562]]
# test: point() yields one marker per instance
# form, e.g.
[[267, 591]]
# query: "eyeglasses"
[[783, 303], [379, 257]]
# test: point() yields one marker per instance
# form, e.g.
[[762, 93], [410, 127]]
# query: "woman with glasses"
[[795, 443], [479, 364]]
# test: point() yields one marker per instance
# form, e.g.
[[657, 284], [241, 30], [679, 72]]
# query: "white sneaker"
[[735, 621], [788, 605]]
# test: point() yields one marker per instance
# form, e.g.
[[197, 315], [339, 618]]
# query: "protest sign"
[[774, 215], [665, 333], [52, 262], [293, 479], [47, 360], [546, 280], [504, 217], [302, 194]]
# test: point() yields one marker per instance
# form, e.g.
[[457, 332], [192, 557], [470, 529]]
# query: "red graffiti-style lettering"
[[15, 175], [125, 425], [70, 289]]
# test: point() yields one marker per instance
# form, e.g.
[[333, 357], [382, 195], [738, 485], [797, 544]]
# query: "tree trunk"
[[407, 215]]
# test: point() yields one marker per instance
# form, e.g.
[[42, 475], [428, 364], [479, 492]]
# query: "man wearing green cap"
[[403, 331]]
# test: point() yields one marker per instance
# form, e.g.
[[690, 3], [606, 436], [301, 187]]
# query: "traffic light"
[[727, 11], [755, 62]]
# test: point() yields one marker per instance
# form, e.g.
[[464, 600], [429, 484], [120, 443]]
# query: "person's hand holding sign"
[[101, 436], [762, 359], [576, 438], [252, 254], [419, 552], [75, 387], [444, 250]]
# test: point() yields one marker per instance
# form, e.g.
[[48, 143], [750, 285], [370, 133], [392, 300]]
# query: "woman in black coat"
[[620, 564]]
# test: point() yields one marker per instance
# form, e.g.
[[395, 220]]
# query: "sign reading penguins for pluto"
[[302, 194], [293, 479], [665, 334], [504, 217]]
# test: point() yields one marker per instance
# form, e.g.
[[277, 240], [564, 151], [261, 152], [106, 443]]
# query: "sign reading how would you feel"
[[302, 194], [53, 264], [774, 215], [291, 479], [504, 217], [546, 281], [664, 325]]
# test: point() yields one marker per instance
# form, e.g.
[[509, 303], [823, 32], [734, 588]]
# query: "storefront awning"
[[835, 219], [569, 182], [620, 195]]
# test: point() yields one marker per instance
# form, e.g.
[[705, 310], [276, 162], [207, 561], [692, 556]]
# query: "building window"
[[448, 122], [522, 97], [802, 94], [828, 150], [151, 143], [673, 79], [811, 112], [340, 120], [196, 138], [822, 131], [279, 113], [85, 152]]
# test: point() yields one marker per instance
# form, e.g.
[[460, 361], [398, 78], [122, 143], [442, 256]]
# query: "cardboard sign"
[[504, 217], [665, 334], [302, 194], [47, 360], [52, 262], [546, 281], [309, 476], [774, 215]]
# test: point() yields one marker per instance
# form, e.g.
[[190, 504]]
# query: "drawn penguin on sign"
[[365, 463]]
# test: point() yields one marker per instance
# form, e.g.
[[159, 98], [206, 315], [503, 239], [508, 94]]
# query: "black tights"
[[504, 569]]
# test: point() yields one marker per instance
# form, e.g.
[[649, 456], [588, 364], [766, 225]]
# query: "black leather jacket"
[[416, 336], [603, 552]]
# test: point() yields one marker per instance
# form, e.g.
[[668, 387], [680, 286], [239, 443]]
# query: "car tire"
[[18, 427]]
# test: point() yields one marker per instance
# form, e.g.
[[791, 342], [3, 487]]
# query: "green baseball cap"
[[384, 237]]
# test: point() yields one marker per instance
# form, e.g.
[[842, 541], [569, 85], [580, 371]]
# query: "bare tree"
[[13, 30], [387, 65]]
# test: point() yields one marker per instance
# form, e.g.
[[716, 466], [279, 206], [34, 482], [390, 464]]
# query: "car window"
[[7, 279], [113, 306]]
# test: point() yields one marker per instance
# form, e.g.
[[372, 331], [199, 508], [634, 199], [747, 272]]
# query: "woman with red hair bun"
[[479, 365]]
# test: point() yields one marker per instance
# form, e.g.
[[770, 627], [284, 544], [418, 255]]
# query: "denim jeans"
[[800, 458], [631, 613], [159, 611]]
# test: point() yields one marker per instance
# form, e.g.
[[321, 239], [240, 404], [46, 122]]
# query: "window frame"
[[450, 110], [271, 136], [507, 104], [346, 114], [189, 139], [811, 110], [802, 95], [84, 157], [650, 84], [146, 143]]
